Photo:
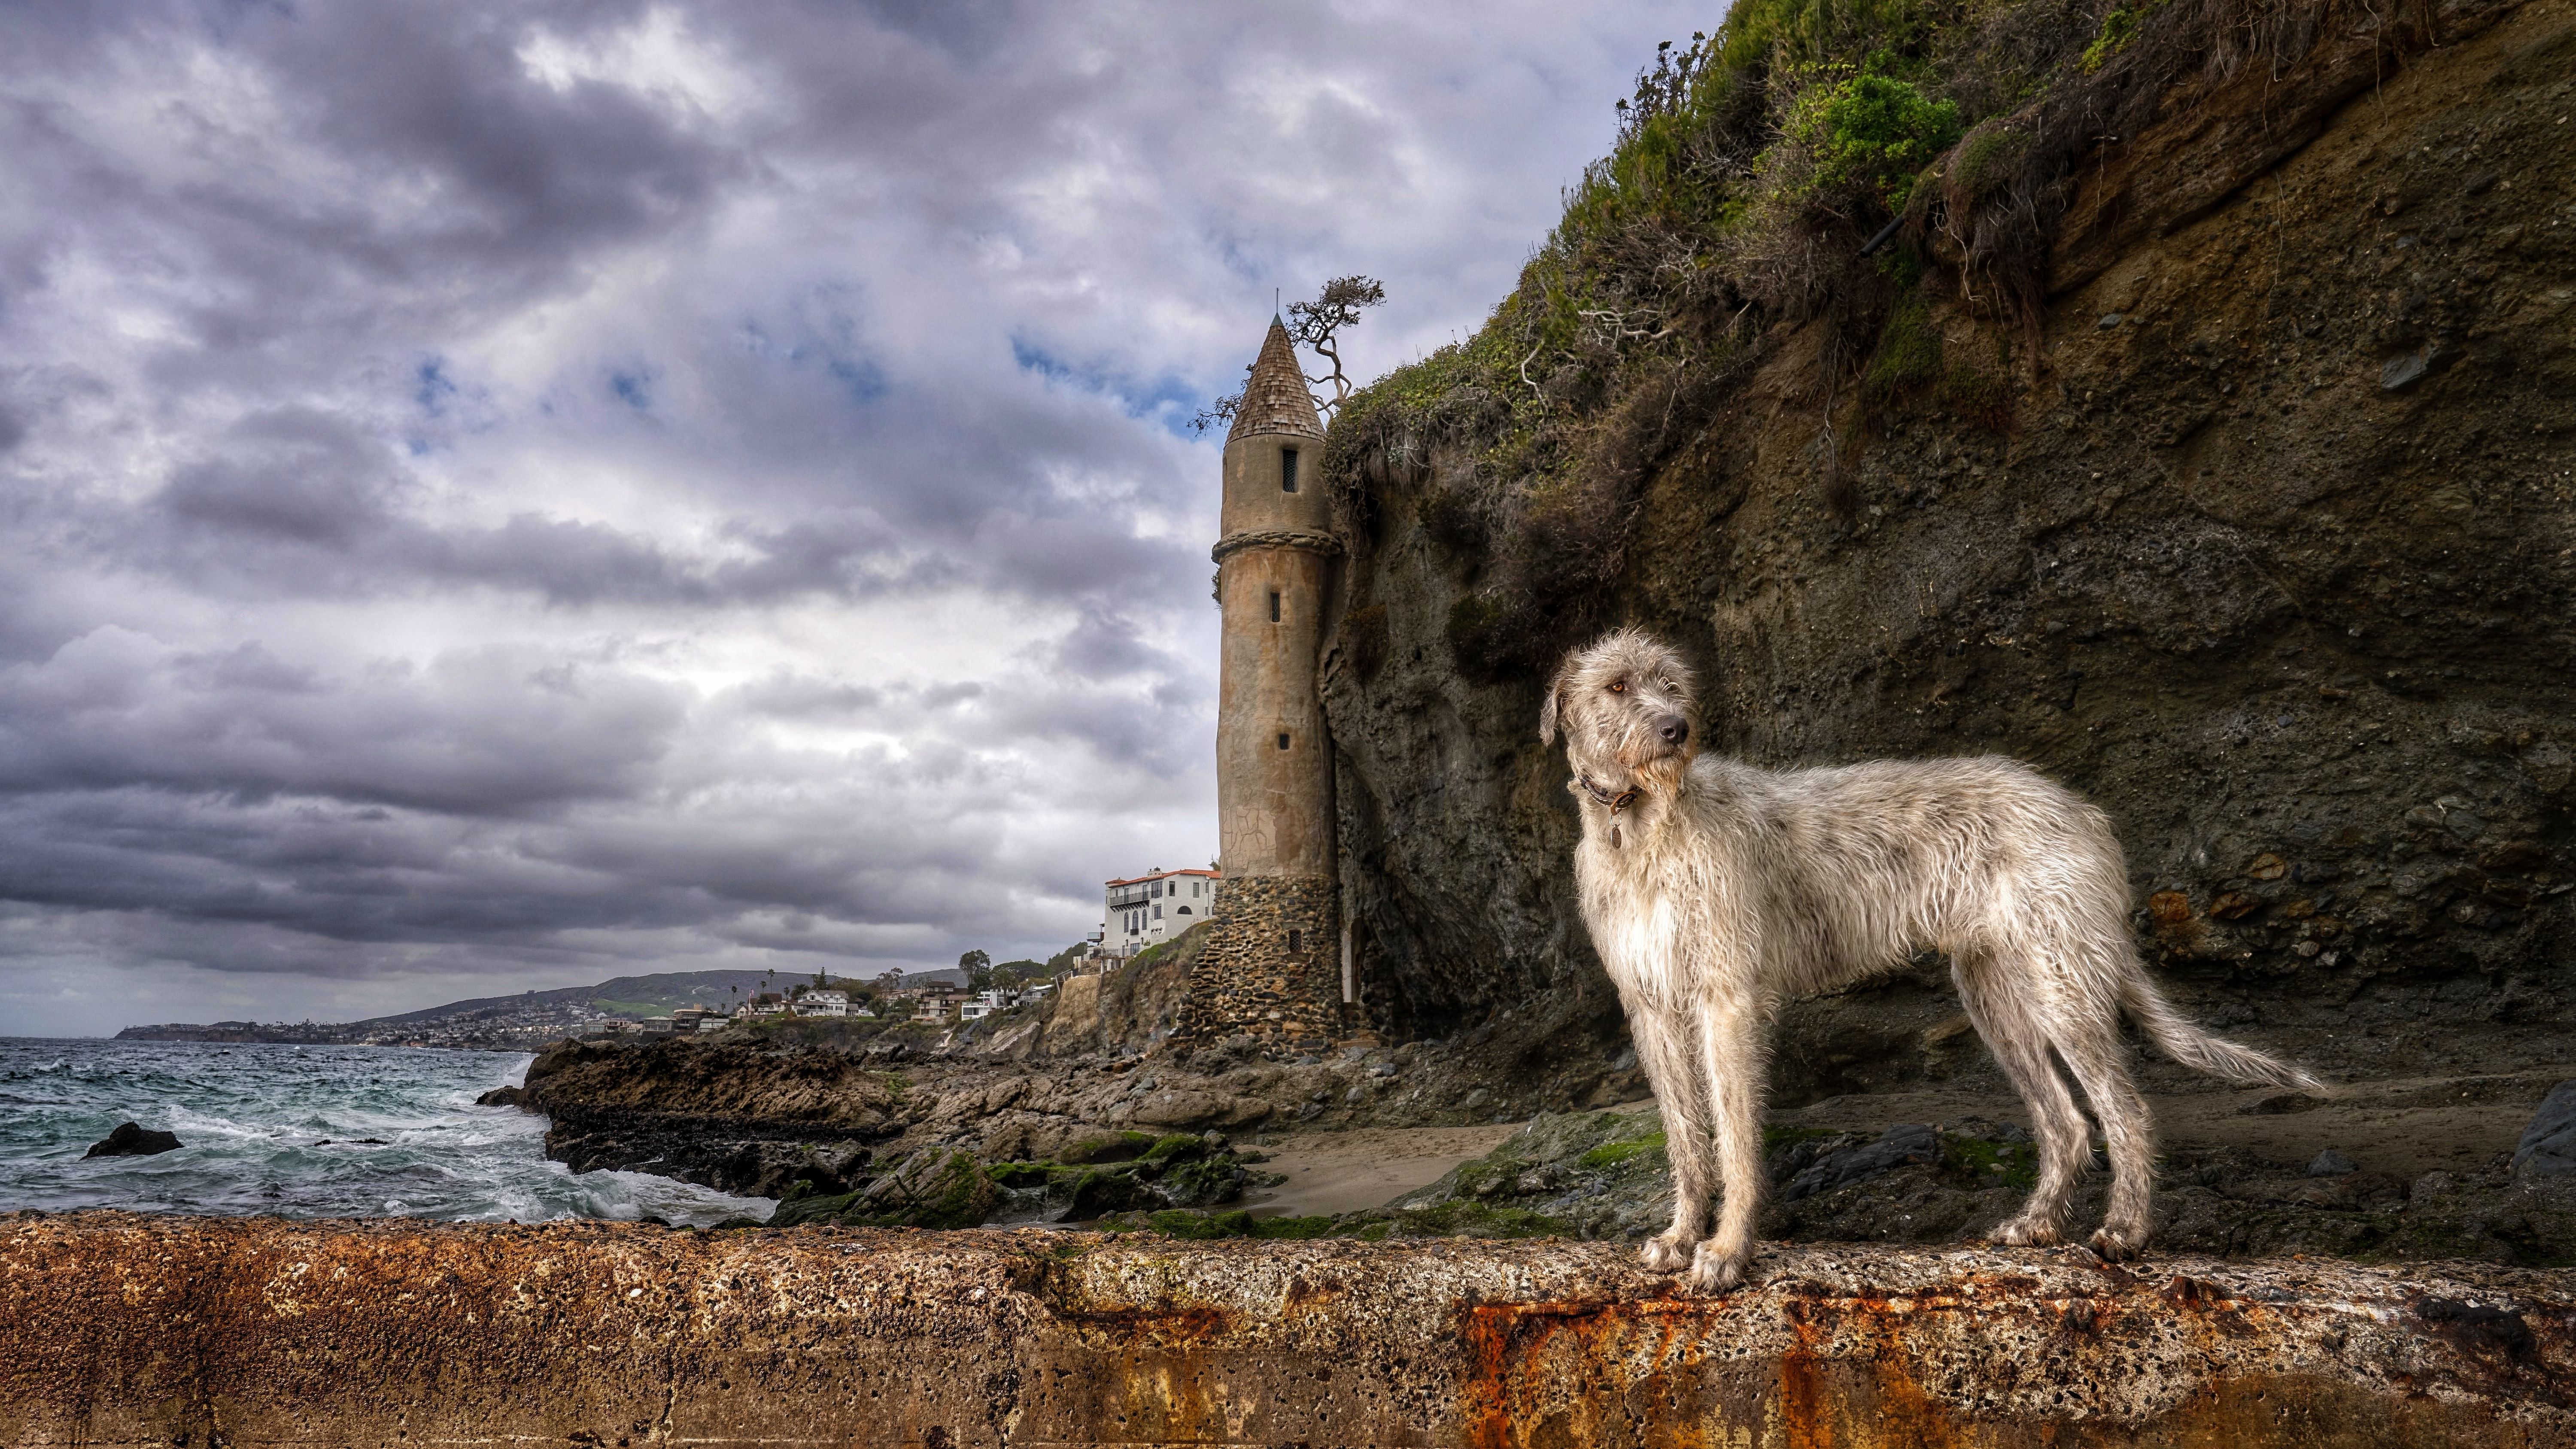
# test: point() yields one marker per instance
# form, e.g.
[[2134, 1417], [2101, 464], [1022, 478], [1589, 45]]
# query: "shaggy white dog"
[[1714, 890]]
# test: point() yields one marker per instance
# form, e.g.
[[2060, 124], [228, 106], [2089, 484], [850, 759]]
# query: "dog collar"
[[1613, 803]]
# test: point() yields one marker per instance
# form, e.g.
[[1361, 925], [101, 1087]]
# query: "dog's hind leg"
[[1730, 1034], [1663, 1039], [2098, 1058], [2013, 1033]]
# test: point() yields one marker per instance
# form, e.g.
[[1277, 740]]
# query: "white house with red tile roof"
[[1154, 907]]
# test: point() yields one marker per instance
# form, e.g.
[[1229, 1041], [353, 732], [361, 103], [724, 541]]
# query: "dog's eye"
[[1619, 687]]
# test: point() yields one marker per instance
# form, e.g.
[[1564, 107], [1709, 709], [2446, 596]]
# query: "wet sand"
[[2401, 1126], [1366, 1167]]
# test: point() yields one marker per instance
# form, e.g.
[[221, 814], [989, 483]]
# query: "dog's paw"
[[1715, 1272], [2117, 1246], [2025, 1233], [1667, 1253]]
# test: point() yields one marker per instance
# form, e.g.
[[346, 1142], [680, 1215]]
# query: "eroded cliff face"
[[124, 1330], [2266, 542]]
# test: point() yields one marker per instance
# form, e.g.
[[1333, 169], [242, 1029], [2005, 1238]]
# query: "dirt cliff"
[[124, 1330], [2244, 505]]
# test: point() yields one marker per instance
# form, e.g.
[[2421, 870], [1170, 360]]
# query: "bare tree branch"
[[1220, 413]]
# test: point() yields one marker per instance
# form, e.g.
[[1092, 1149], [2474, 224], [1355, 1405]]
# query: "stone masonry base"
[[1271, 968]]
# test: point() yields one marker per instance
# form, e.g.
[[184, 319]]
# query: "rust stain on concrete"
[[117, 1329]]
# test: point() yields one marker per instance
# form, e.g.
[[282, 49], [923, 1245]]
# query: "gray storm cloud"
[[509, 495]]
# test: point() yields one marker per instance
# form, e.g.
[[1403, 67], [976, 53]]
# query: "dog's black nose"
[[1674, 729]]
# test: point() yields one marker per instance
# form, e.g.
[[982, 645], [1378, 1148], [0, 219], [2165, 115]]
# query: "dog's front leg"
[[1730, 1033], [1663, 1037]]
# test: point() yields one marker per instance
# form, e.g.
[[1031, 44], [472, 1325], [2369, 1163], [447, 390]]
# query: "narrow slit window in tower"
[[1292, 942], [1274, 606], [1287, 470], [1283, 742]]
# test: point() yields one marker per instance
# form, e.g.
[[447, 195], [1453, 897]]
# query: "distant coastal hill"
[[504, 1022]]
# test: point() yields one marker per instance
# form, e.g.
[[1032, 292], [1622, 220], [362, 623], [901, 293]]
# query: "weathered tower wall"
[[1272, 966]]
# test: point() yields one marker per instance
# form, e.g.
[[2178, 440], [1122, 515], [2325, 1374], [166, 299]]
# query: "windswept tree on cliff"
[[978, 966], [1316, 325]]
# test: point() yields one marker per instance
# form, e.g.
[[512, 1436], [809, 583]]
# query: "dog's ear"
[[1555, 699]]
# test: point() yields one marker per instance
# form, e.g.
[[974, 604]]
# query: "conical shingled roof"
[[1275, 399]]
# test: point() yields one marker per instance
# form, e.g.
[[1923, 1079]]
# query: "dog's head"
[[1624, 705]]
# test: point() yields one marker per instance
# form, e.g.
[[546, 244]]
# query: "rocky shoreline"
[[947, 1138]]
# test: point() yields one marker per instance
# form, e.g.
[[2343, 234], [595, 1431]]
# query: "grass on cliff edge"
[[1751, 166]]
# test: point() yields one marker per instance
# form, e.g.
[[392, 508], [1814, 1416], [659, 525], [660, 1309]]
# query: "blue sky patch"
[[1168, 399], [432, 388], [635, 389]]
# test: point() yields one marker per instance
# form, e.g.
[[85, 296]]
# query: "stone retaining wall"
[[118, 1330]]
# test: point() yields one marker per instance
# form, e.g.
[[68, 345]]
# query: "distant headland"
[[498, 1023]]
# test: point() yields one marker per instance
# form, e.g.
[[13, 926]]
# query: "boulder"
[[132, 1140], [2548, 1146], [937, 1187], [1906, 1142], [1186, 1107]]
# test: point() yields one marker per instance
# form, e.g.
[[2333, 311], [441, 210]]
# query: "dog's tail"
[[2182, 1039]]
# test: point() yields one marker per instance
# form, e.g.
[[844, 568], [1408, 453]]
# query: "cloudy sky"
[[507, 495]]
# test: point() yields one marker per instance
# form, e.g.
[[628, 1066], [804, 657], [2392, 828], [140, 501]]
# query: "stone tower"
[[1271, 965]]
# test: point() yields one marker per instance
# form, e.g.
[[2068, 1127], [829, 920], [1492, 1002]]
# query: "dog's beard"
[[1650, 764], [1663, 774]]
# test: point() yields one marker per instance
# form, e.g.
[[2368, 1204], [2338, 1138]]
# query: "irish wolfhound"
[[1714, 890]]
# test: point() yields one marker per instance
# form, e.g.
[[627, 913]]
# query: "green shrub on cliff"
[[1908, 355], [1869, 135], [2118, 29]]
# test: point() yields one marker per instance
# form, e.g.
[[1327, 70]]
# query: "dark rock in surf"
[[132, 1140]]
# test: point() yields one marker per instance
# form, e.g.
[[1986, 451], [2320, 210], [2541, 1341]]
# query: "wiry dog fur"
[[1714, 890]]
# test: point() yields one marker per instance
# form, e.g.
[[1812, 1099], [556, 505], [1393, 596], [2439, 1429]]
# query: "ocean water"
[[286, 1130]]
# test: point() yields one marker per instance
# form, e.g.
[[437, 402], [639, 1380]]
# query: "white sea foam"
[[284, 1129]]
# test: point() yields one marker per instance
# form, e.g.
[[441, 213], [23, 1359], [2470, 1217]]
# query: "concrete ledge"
[[118, 1329]]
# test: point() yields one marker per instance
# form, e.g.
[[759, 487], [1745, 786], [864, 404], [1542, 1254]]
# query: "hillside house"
[[984, 1004], [1152, 908], [823, 1003]]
